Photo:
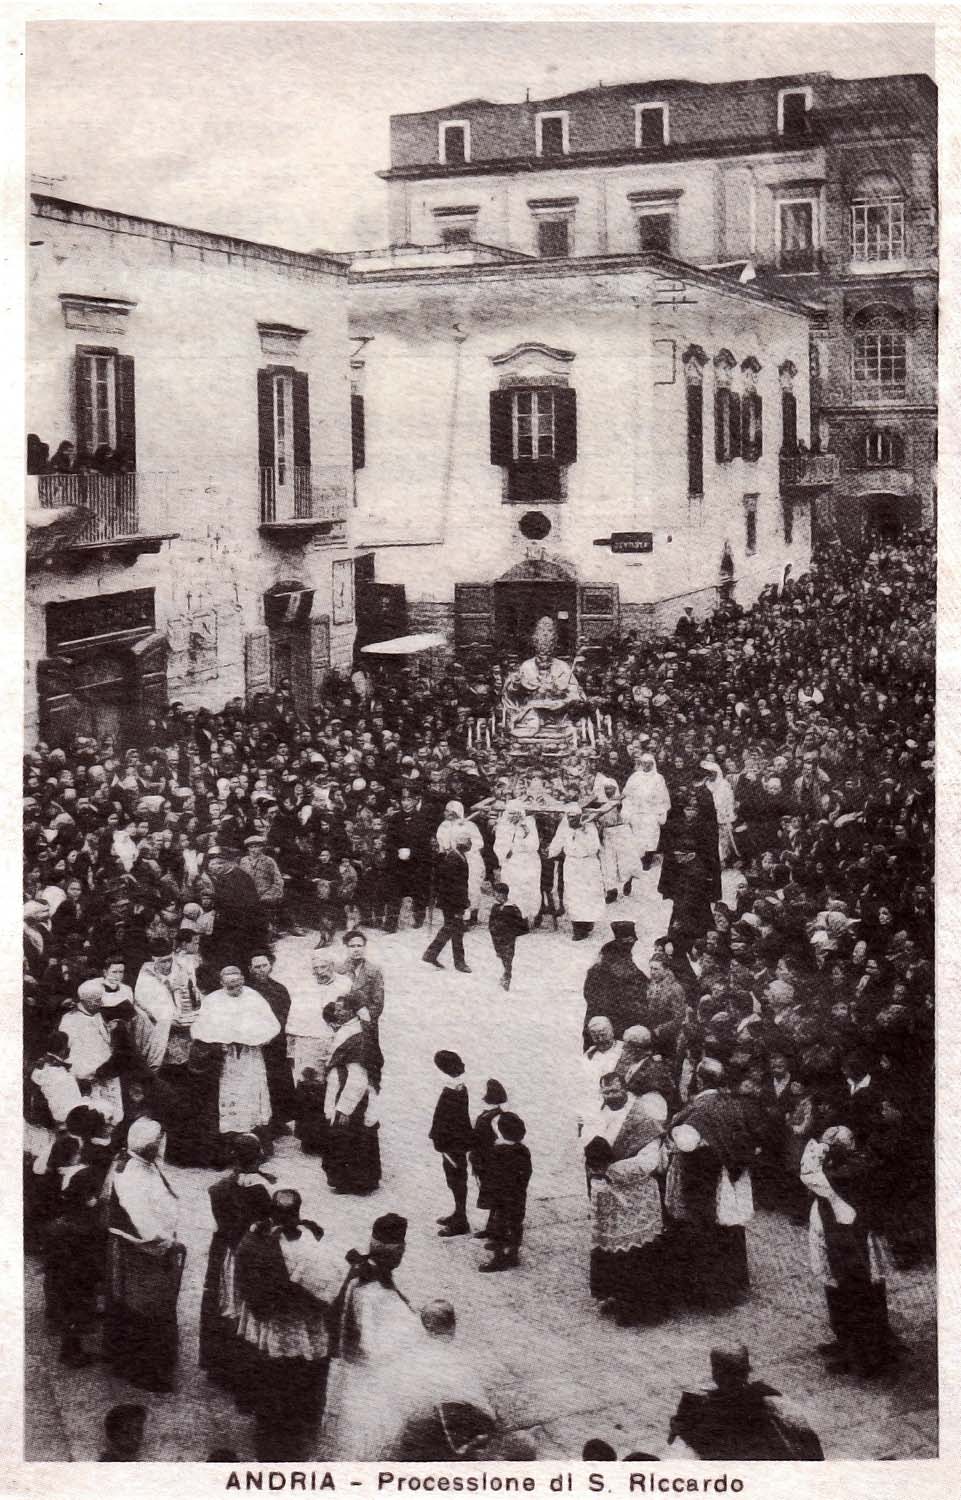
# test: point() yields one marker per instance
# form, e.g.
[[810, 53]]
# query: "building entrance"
[[519, 605]]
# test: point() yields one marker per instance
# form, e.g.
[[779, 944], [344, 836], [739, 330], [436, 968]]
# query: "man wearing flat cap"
[[265, 874]]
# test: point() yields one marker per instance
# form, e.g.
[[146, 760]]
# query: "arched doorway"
[[884, 517], [525, 594]]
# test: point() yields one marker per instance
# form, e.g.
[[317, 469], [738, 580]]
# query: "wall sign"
[[627, 541]]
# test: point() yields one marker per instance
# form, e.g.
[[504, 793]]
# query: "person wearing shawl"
[[351, 1148], [845, 1254], [372, 1324], [238, 1019], [645, 804], [516, 849], [614, 987], [690, 872], [443, 1414], [619, 860], [458, 832], [286, 1280], [144, 1263], [237, 1201], [622, 1154], [584, 894], [708, 1197]]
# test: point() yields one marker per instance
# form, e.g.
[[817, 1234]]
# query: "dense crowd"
[[775, 1049]]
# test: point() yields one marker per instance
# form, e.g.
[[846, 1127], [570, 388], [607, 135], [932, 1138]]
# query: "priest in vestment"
[[240, 1020]]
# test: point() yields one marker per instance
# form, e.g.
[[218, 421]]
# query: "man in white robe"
[[239, 1019], [458, 832], [517, 850], [584, 895], [645, 805]]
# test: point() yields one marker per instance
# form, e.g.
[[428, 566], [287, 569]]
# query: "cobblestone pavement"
[[555, 1368]]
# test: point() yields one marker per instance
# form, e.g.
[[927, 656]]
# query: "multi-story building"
[[190, 469], [597, 439], [819, 187]]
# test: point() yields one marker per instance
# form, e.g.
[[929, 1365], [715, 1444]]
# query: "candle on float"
[[610, 727], [590, 734], [597, 715], [470, 734]]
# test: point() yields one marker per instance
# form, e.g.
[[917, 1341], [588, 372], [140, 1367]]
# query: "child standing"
[[505, 1186], [453, 1136], [505, 925]]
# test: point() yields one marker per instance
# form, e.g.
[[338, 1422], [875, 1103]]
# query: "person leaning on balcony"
[[64, 460]]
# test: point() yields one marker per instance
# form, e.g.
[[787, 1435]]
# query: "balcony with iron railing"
[[805, 474], [295, 504], [86, 512]]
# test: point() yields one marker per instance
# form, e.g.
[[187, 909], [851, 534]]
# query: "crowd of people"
[[776, 1049]]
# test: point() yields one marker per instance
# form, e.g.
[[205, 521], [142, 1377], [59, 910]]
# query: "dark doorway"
[[519, 606]]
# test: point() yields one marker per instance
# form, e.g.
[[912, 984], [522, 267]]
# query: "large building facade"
[[821, 188], [597, 439], [192, 543]]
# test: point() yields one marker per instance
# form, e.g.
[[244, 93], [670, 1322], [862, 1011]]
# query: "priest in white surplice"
[[239, 1019]]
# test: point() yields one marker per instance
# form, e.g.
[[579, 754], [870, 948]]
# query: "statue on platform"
[[539, 697]]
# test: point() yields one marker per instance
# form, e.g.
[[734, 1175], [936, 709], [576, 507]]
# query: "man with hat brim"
[[495, 1101], [371, 1322], [584, 894], [452, 877], [739, 1420], [240, 924], [453, 1136], [614, 986]]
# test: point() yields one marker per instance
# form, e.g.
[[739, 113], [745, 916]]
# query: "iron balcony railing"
[[291, 495], [809, 471], [110, 498]]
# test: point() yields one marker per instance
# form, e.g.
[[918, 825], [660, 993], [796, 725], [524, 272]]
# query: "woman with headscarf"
[[451, 834], [238, 1019], [645, 804], [516, 848], [144, 1263], [580, 845]]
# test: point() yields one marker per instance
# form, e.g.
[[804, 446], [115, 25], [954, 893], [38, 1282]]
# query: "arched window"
[[879, 353], [877, 219]]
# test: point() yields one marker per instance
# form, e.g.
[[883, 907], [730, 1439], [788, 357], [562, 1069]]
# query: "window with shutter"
[[695, 437], [727, 425], [358, 438], [551, 134], [794, 111], [788, 423], [553, 238], [126, 414], [750, 524], [751, 427], [651, 127], [98, 397], [534, 436], [655, 233]]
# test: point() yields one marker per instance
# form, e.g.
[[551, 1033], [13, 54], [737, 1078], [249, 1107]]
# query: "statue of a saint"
[[539, 696]]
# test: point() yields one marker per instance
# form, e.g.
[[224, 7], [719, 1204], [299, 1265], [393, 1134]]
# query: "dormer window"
[[651, 128], [454, 143], [793, 111], [551, 134]]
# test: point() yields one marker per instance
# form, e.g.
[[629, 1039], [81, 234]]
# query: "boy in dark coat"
[[505, 1184], [506, 925], [453, 1136], [485, 1134]]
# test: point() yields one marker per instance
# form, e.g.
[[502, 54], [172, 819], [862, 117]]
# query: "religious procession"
[[719, 843]]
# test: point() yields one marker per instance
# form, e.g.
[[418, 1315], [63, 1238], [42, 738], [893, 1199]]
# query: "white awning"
[[406, 645]]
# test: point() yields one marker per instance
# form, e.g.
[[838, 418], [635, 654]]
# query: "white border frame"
[[804, 89], [639, 110], [442, 129], [552, 114]]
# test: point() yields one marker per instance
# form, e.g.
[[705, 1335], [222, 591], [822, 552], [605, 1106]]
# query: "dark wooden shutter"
[[150, 670], [301, 420], [473, 615], [319, 659], [502, 427], [358, 434], [126, 413], [257, 662], [265, 418], [788, 423], [751, 435], [720, 439], [734, 411], [565, 425], [61, 716], [695, 437], [598, 612], [82, 414]]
